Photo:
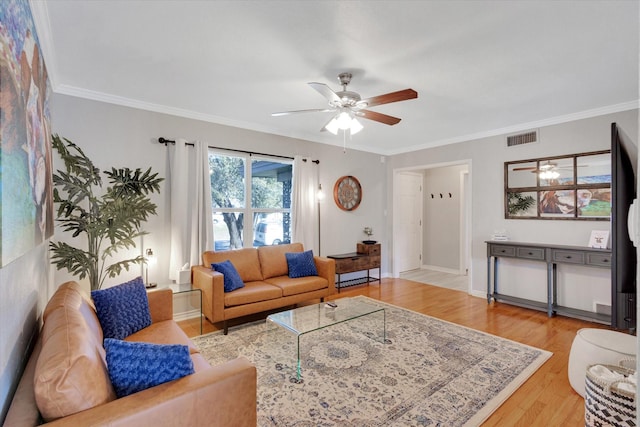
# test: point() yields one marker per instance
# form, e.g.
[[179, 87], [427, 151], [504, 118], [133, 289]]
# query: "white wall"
[[26, 285], [581, 286], [441, 240], [118, 136]]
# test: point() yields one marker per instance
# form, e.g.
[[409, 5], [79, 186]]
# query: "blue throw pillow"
[[232, 279], [301, 264], [122, 309], [137, 366]]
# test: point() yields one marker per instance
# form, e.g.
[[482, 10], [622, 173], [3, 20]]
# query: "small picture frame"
[[599, 239]]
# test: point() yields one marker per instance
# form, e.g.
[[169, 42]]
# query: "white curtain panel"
[[191, 217], [304, 204]]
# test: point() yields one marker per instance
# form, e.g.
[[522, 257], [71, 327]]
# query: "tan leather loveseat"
[[264, 272], [76, 390]]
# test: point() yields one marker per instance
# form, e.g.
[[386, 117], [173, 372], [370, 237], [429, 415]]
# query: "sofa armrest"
[[211, 283], [224, 395], [160, 304], [327, 268]]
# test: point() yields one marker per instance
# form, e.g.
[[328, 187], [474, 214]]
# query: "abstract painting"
[[26, 198]]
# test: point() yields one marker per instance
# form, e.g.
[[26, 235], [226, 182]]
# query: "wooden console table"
[[551, 255], [367, 258]]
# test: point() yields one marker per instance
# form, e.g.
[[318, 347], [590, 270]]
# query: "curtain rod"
[[165, 141]]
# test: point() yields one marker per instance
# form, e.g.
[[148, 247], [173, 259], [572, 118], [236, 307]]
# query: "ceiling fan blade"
[[315, 110], [530, 168], [378, 117], [326, 91], [401, 95]]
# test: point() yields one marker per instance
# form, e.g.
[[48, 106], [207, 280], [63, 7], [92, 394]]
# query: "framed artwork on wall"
[[26, 195]]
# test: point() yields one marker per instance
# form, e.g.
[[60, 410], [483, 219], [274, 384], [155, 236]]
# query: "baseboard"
[[441, 269]]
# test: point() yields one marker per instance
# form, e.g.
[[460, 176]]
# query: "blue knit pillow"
[[301, 264], [122, 309], [232, 279], [137, 366]]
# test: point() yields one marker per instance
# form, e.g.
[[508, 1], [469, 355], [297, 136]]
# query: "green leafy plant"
[[517, 203], [109, 219]]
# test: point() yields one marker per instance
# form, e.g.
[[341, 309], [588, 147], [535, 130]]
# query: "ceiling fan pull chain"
[[344, 141]]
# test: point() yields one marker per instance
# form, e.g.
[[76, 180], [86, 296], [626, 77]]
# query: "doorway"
[[442, 209]]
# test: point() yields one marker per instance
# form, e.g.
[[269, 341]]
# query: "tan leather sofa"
[[66, 381], [264, 272]]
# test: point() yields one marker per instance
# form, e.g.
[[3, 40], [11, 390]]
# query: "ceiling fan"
[[348, 106], [546, 170]]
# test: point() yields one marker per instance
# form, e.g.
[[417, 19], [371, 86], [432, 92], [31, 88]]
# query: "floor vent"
[[522, 138]]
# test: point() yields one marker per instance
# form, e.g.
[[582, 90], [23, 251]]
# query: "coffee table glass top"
[[313, 317], [303, 320]]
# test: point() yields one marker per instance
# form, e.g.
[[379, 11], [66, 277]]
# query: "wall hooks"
[[432, 195]]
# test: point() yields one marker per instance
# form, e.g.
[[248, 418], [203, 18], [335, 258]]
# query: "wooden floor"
[[546, 399]]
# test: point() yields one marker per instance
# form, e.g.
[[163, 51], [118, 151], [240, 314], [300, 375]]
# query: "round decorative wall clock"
[[347, 193]]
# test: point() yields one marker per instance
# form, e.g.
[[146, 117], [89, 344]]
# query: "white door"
[[408, 223]]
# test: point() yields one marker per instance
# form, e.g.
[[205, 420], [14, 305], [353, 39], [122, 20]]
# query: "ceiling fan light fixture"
[[549, 174], [343, 120], [356, 126]]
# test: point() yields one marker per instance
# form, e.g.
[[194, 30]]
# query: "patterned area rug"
[[429, 373]]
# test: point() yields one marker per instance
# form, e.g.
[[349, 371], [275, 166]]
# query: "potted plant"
[[109, 219]]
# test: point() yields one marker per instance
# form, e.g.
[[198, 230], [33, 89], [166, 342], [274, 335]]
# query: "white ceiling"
[[480, 68]]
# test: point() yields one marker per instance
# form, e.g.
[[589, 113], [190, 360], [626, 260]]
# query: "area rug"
[[428, 373]]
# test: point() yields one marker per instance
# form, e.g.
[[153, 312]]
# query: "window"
[[576, 186], [266, 219]]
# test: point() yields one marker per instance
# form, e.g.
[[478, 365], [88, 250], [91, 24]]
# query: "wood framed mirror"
[[576, 186]]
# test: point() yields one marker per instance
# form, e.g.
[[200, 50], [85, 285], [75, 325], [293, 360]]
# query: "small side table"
[[185, 296], [366, 258]]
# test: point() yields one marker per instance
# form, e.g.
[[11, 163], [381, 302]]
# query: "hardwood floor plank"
[[546, 399]]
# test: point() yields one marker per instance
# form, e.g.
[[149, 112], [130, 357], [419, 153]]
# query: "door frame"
[[467, 202]]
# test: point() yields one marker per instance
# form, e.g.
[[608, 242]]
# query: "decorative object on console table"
[[369, 232], [599, 239], [367, 258]]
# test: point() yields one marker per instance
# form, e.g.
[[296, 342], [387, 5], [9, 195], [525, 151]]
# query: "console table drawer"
[[531, 253], [599, 260], [567, 256], [369, 249], [502, 250], [357, 263]]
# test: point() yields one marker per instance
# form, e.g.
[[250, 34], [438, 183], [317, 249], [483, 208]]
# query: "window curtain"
[[304, 204], [191, 220]]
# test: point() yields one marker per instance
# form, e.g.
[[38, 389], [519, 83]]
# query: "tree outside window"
[[267, 219]]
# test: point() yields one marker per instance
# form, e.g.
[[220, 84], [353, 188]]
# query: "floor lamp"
[[319, 197]]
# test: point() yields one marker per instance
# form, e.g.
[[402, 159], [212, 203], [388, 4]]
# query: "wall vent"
[[522, 138]]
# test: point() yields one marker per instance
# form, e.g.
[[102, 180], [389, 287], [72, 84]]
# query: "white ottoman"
[[591, 346]]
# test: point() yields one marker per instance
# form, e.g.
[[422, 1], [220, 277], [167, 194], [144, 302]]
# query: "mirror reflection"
[[576, 186]]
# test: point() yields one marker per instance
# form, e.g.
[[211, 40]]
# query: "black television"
[[624, 157]]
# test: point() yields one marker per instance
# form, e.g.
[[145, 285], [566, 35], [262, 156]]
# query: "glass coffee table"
[[303, 320]]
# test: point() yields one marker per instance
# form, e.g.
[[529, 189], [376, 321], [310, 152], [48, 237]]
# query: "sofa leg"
[[322, 299], [225, 325]]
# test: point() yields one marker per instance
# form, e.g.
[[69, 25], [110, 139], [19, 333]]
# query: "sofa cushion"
[[252, 292], [273, 261], [122, 309], [245, 261], [165, 332], [71, 372], [300, 285], [232, 280], [60, 298], [137, 366], [301, 264]]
